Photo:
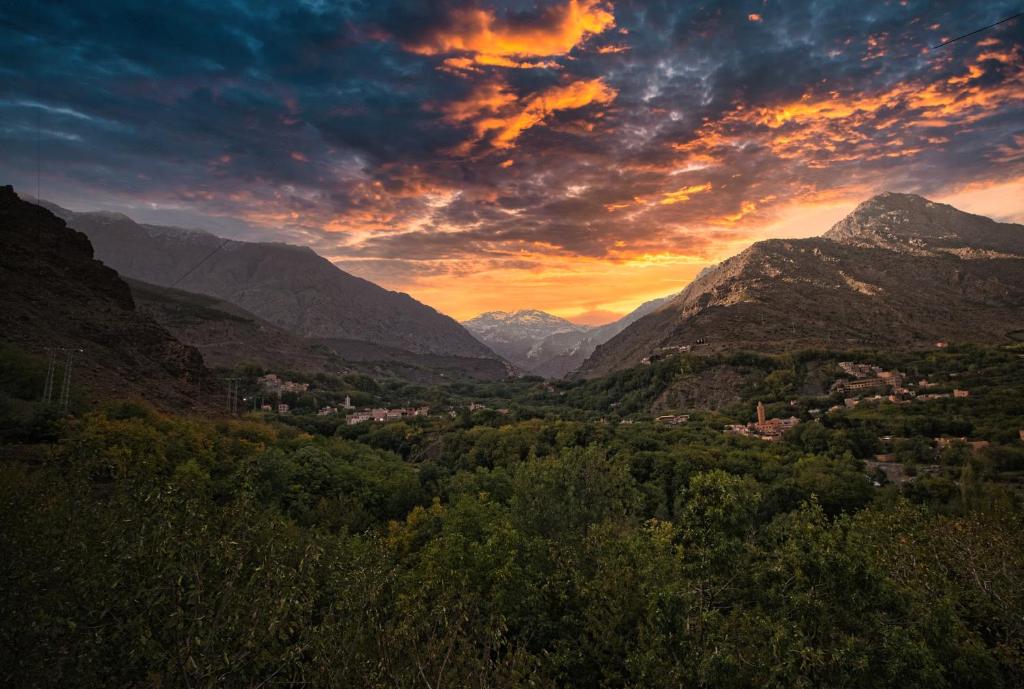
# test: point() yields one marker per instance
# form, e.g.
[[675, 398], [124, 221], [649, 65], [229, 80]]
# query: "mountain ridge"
[[900, 270], [290, 286]]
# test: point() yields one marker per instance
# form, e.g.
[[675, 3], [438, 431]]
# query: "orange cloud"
[[822, 130], [486, 97], [490, 41], [499, 115], [684, 194]]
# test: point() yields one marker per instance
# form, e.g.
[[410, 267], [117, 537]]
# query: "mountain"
[[899, 271], [289, 286], [228, 335], [547, 345], [517, 336], [57, 295]]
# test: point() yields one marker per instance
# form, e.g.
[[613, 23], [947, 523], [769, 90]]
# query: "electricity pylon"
[[51, 370], [232, 399], [51, 367]]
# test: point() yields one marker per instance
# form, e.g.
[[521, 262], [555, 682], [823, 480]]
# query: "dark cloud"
[[378, 133]]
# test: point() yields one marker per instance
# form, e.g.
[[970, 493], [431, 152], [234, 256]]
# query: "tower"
[[51, 367], [760, 413]]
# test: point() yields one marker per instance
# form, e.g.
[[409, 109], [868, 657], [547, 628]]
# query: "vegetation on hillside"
[[528, 549]]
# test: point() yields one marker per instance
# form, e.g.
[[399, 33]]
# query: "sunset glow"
[[574, 156]]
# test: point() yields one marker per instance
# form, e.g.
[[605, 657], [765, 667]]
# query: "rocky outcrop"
[[899, 271], [55, 294]]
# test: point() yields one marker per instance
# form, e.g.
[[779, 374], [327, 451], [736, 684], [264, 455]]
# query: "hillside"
[[289, 286], [228, 336], [57, 295], [899, 271]]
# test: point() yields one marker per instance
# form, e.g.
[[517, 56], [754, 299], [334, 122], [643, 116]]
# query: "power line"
[[204, 260], [984, 28]]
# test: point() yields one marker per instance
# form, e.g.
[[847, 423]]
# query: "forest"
[[564, 542]]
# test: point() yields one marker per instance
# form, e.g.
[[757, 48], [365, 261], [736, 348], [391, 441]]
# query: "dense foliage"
[[533, 549]]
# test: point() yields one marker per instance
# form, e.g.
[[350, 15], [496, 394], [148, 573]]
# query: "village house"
[[867, 377], [272, 383], [358, 417], [673, 419], [282, 408], [764, 428], [383, 415], [327, 411]]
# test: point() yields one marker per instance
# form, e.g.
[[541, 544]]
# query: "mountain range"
[[288, 286], [546, 345], [899, 271]]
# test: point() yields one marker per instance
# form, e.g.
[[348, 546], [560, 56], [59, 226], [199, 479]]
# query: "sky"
[[575, 156]]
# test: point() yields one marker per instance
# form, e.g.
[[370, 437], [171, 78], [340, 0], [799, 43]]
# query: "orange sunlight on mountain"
[[599, 290]]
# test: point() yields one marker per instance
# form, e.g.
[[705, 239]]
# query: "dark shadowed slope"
[[228, 336], [56, 295], [289, 286], [898, 271]]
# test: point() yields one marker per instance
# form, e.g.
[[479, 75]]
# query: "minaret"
[[760, 413]]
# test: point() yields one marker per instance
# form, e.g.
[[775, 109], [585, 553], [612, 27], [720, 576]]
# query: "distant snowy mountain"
[[546, 345], [519, 336]]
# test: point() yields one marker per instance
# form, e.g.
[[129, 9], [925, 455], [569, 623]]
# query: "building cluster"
[[382, 415], [764, 428], [868, 377], [673, 419], [273, 384]]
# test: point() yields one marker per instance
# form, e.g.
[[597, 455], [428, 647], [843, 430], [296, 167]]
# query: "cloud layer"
[[576, 155]]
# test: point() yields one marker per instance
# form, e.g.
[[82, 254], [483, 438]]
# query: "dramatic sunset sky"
[[575, 156]]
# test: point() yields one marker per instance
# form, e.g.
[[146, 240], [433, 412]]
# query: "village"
[[273, 385], [856, 383], [868, 377]]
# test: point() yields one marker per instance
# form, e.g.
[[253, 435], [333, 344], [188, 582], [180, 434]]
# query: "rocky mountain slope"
[[228, 335], [898, 271], [547, 345], [55, 294], [289, 286]]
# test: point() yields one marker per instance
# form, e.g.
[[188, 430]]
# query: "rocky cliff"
[[55, 294]]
